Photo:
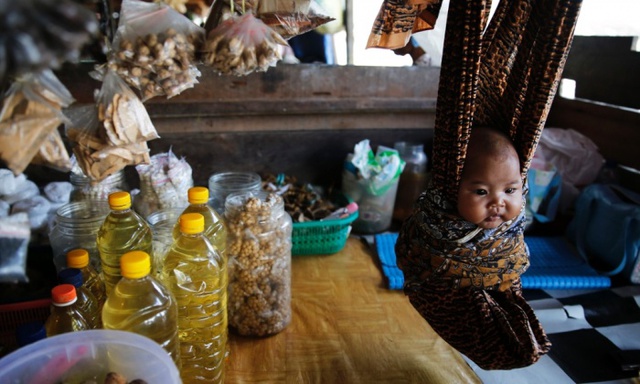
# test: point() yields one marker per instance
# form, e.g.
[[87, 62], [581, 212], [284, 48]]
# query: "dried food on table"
[[154, 49], [304, 202], [30, 116]]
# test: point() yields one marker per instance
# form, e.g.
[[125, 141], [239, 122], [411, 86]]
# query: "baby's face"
[[490, 190]]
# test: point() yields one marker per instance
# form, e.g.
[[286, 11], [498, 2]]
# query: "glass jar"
[[162, 223], [259, 263], [413, 179], [86, 189], [223, 184], [76, 226]]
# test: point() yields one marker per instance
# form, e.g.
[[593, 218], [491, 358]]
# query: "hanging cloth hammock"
[[465, 280]]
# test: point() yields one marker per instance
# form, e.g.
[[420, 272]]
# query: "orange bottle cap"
[[77, 258], [63, 294]]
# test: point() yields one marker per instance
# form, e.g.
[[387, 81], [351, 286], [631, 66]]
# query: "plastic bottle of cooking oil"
[[141, 304], [123, 230], [85, 300], [214, 226], [193, 271], [79, 259], [65, 315]]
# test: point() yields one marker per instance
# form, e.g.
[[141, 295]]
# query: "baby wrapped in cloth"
[[465, 281]]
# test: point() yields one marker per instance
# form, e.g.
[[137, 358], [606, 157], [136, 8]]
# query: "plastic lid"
[[135, 264], [120, 200], [71, 276], [198, 195], [77, 258], [30, 333], [63, 294], [191, 223]]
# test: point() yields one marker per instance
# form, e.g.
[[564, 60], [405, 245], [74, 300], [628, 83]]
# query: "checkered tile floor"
[[595, 336]]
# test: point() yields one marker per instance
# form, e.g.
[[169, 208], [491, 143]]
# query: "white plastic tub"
[[79, 356]]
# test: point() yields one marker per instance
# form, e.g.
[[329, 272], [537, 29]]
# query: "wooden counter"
[[347, 327]]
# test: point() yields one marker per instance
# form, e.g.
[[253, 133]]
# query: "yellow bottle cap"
[[77, 258], [135, 264], [120, 200], [198, 195], [191, 223]]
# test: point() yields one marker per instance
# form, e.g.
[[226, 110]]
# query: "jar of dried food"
[[223, 184], [75, 226], [86, 189], [259, 263], [413, 179]]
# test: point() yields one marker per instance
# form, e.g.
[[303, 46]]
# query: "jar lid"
[[120, 200], [135, 264], [63, 294], [191, 223], [198, 195], [77, 258], [71, 276]]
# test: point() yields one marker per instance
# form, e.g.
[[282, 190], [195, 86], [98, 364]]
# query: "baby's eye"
[[510, 191], [481, 192]]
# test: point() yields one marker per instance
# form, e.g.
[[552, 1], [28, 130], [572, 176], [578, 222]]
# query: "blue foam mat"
[[554, 264]]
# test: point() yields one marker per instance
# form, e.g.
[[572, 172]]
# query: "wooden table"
[[347, 327]]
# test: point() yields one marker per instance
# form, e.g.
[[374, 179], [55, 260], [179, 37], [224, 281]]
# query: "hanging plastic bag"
[[29, 119], [154, 49], [111, 134], [14, 242], [241, 45]]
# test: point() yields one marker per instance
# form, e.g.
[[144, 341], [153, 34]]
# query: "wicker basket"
[[321, 237]]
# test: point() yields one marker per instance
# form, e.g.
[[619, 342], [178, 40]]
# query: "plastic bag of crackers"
[[154, 49], [113, 133]]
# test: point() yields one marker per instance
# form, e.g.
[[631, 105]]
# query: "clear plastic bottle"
[[141, 304], [79, 259], [194, 272], [65, 315], [413, 179], [85, 301], [123, 230], [214, 226]]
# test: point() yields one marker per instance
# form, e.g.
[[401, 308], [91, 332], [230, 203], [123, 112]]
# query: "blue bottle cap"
[[30, 333], [71, 276]]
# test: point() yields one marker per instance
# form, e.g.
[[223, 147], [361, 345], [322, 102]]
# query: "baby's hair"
[[489, 141]]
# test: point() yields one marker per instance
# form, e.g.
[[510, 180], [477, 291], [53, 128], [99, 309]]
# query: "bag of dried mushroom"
[[113, 133], [154, 49], [241, 45], [29, 121]]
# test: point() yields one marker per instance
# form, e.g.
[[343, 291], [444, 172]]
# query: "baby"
[[491, 186], [462, 262]]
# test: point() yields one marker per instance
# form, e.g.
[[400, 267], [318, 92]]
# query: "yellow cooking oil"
[[79, 259], [65, 315], [141, 304], [194, 272], [123, 230], [214, 226]]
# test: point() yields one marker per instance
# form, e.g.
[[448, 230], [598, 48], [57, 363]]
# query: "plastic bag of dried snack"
[[154, 49], [288, 18], [241, 45], [30, 116]]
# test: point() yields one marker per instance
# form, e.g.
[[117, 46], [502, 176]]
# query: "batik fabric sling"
[[463, 280]]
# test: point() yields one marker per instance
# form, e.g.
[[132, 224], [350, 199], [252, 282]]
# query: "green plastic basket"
[[321, 237]]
